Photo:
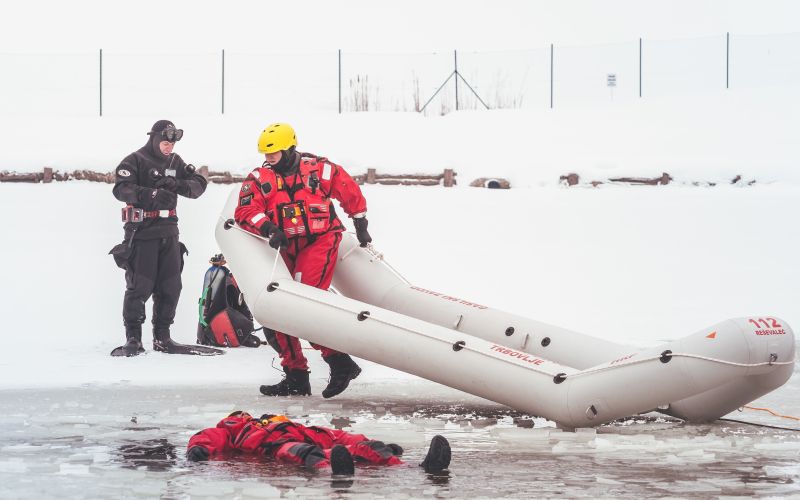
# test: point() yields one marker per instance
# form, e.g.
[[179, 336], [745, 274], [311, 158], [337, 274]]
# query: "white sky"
[[410, 25]]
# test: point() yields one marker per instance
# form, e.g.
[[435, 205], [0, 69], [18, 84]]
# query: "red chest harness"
[[303, 208]]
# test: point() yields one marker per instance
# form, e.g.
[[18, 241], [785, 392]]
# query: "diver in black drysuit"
[[149, 180]]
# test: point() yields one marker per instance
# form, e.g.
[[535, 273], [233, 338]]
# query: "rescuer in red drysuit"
[[314, 447], [288, 201]]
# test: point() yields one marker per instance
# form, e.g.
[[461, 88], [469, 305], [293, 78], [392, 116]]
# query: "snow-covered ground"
[[695, 138], [637, 265]]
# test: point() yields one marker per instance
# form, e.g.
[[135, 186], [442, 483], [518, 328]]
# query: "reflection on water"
[[153, 454], [341, 485], [440, 478], [341, 422]]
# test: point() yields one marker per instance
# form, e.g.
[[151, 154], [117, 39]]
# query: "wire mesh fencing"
[[434, 83]]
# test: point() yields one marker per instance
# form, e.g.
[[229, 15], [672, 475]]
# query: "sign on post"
[[611, 82]]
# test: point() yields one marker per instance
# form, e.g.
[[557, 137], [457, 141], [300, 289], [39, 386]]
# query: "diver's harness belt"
[[134, 214]]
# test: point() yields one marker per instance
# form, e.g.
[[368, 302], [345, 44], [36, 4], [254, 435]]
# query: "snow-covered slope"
[[633, 264]]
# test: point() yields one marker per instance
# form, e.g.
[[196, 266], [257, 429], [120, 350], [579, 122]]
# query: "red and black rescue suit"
[[298, 202], [278, 437]]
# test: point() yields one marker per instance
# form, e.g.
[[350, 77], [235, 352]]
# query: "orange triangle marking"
[[711, 335]]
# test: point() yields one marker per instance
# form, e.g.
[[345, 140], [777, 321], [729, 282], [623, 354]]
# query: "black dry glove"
[[277, 238], [361, 231], [177, 186], [267, 228], [168, 183], [158, 199], [197, 454]]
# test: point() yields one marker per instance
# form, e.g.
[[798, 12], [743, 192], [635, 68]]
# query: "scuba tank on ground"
[[224, 318]]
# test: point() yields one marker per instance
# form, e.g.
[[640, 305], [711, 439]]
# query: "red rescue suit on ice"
[[299, 204], [287, 441]]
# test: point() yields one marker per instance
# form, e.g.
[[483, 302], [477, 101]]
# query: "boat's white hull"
[[573, 379]]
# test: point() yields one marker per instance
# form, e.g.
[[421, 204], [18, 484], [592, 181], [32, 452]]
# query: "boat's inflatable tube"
[[621, 386], [363, 275], [386, 288]]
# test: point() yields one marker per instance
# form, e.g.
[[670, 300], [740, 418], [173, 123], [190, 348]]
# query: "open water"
[[124, 441]]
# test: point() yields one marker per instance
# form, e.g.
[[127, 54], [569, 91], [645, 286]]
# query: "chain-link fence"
[[236, 82]]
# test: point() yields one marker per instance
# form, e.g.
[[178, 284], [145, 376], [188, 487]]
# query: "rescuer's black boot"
[[343, 370], [341, 461], [294, 384], [163, 343], [133, 344], [438, 457]]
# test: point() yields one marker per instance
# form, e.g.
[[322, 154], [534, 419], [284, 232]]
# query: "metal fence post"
[[101, 82], [727, 59], [640, 67], [455, 71], [551, 76]]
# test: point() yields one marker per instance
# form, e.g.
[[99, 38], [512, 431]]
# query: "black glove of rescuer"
[[277, 239], [197, 454], [361, 231], [168, 183], [158, 199]]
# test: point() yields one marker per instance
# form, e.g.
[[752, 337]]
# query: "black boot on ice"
[[343, 370], [438, 457], [163, 343], [133, 345], [341, 461], [294, 384]]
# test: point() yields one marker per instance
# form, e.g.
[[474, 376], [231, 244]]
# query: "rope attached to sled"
[[379, 257], [670, 355], [771, 412]]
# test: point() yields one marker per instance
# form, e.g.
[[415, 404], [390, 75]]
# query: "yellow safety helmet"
[[276, 137]]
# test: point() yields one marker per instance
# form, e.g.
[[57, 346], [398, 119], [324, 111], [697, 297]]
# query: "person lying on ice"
[[288, 202], [314, 447]]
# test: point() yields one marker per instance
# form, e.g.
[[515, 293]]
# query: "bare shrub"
[[362, 97]]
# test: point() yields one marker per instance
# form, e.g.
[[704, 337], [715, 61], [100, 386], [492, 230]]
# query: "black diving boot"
[[294, 384], [163, 343], [133, 344], [343, 370], [438, 457], [341, 461]]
